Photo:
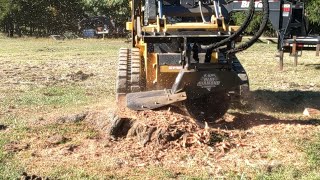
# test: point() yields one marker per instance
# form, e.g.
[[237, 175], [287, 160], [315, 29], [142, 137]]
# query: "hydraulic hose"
[[238, 32], [201, 12], [257, 35]]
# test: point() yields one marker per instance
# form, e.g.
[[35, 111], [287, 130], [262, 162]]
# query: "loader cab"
[[177, 10]]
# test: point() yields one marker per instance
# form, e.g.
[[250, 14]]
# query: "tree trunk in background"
[[10, 28], [31, 30], [18, 30]]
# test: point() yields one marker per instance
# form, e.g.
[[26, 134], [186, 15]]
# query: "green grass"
[[282, 173], [288, 172], [56, 59], [313, 153], [9, 165], [263, 70], [73, 130], [67, 173], [289, 91], [10, 168], [21, 104], [42, 49], [37, 101], [150, 173], [52, 96]]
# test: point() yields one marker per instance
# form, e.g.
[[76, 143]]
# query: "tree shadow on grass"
[[283, 101], [266, 101], [316, 66], [247, 121]]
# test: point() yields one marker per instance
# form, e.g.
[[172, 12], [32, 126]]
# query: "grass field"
[[42, 80]]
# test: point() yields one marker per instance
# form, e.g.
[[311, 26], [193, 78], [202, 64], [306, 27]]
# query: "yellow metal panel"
[[129, 26], [177, 26], [214, 19], [149, 28], [224, 26], [151, 70], [170, 69], [214, 57], [190, 26]]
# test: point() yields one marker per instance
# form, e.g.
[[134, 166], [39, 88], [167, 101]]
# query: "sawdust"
[[174, 140], [149, 135]]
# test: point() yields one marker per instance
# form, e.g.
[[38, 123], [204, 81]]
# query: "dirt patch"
[[79, 76], [46, 74], [75, 118], [16, 147], [56, 140]]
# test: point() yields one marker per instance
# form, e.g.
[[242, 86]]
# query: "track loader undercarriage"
[[187, 55]]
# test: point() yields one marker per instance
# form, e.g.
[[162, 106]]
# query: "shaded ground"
[[56, 99]]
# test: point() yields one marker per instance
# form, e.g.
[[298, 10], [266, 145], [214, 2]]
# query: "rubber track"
[[121, 82], [128, 76], [135, 68]]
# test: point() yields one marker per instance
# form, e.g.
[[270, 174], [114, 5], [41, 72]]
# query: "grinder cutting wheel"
[[184, 50]]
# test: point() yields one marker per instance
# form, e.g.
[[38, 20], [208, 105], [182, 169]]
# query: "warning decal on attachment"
[[208, 81], [286, 10]]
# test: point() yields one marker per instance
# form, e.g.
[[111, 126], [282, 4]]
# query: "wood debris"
[[162, 131], [311, 112]]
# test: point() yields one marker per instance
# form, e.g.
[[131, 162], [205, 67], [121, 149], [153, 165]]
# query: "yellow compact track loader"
[[184, 51]]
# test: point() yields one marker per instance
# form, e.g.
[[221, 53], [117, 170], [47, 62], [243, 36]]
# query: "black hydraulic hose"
[[238, 32], [257, 35]]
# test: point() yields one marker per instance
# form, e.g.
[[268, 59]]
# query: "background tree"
[[45, 17], [39, 17], [117, 10], [239, 17], [313, 14]]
